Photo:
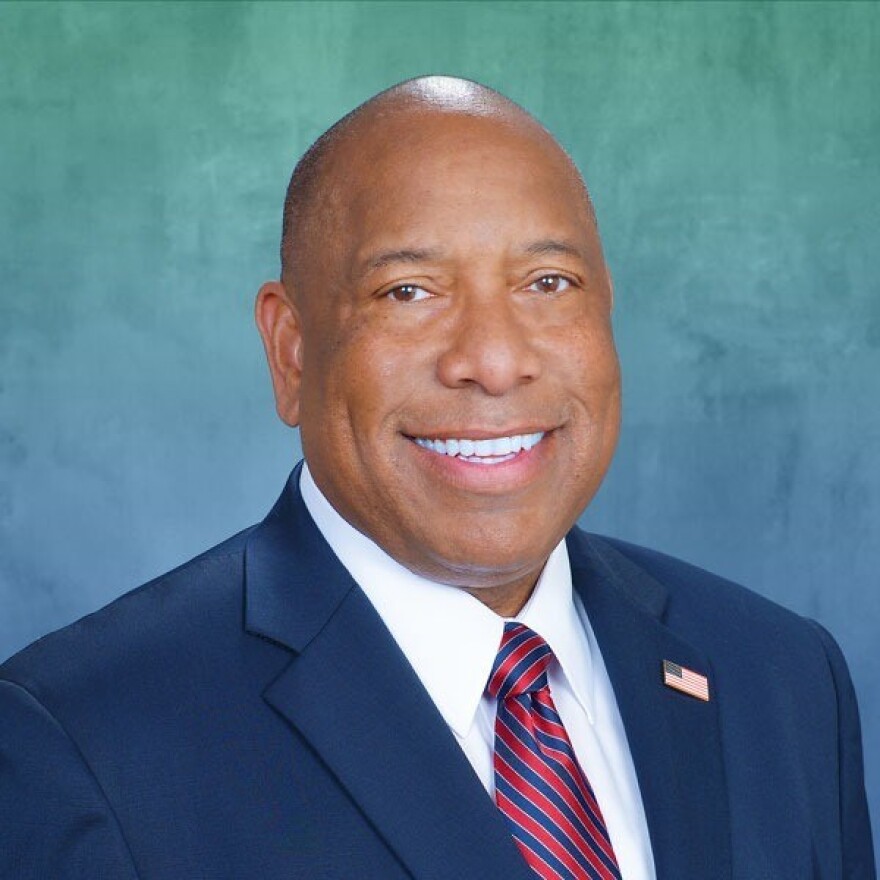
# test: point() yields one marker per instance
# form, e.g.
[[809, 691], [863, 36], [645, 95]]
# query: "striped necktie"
[[540, 788]]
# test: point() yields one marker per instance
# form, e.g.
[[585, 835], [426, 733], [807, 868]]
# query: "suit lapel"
[[351, 693], [674, 738]]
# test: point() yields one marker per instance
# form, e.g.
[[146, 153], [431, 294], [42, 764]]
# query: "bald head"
[[326, 172]]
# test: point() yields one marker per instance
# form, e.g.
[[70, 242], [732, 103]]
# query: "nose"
[[491, 346]]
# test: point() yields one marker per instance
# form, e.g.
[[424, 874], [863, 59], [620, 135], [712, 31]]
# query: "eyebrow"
[[388, 258], [552, 246]]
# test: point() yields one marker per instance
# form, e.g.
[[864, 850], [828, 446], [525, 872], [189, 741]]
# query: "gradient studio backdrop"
[[734, 156]]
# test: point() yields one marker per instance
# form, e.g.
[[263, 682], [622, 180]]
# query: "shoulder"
[[750, 643], [174, 621], [746, 637], [103, 721], [693, 596]]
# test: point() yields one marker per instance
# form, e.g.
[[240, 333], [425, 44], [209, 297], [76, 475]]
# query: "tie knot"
[[521, 664]]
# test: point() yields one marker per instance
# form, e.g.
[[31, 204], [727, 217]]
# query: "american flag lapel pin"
[[685, 680]]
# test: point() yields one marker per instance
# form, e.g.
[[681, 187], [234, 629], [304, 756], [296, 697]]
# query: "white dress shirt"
[[451, 638]]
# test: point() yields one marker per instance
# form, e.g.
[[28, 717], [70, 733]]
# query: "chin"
[[478, 564]]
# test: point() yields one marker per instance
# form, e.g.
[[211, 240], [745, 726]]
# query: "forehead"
[[462, 178]]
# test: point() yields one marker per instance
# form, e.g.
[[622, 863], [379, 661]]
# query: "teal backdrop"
[[733, 151]]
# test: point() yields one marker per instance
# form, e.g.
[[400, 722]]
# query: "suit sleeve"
[[55, 822], [856, 843]]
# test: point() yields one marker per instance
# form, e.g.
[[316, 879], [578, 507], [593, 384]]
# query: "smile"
[[494, 450]]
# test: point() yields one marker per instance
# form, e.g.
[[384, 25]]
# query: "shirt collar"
[[551, 612], [449, 637]]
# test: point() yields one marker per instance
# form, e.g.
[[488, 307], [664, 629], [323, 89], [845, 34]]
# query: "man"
[[416, 666]]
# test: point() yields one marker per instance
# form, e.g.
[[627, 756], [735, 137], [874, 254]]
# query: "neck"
[[506, 600]]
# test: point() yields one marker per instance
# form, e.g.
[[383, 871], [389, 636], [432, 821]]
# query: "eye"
[[551, 284], [407, 293]]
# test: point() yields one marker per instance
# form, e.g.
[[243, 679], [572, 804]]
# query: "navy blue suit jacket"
[[249, 716]]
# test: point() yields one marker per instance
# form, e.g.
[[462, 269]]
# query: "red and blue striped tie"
[[539, 787]]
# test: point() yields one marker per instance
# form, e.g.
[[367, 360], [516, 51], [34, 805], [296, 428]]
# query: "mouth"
[[485, 451]]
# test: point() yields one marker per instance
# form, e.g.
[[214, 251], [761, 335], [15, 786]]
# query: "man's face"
[[459, 396]]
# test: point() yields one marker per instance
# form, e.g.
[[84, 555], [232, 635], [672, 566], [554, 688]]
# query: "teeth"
[[492, 448]]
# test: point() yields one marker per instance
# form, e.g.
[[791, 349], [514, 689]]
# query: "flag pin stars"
[[685, 680]]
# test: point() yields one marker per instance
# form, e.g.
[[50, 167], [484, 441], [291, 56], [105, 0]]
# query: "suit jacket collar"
[[294, 582], [674, 739]]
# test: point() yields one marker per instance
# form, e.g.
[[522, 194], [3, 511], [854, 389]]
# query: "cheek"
[[362, 374], [584, 358], [587, 369]]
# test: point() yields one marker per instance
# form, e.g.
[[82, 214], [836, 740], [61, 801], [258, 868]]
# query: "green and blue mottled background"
[[734, 155]]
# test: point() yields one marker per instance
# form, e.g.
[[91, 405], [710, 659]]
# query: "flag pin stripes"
[[685, 680]]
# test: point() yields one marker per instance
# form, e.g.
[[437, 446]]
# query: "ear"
[[281, 329]]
